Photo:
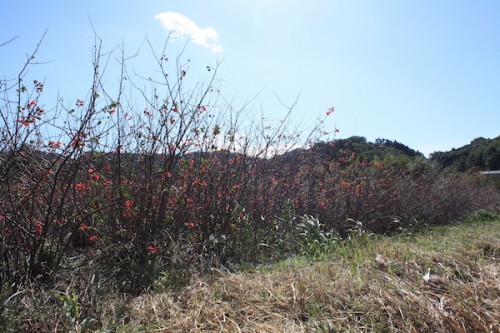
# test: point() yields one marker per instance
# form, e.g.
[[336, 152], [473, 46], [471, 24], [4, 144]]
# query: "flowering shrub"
[[178, 185]]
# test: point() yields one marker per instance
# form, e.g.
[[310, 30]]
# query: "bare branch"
[[9, 41]]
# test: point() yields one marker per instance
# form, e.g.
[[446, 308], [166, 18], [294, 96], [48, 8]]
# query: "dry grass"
[[371, 284]]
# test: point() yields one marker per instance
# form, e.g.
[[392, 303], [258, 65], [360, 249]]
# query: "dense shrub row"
[[183, 185]]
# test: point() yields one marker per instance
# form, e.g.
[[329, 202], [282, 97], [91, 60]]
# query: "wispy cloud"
[[182, 26]]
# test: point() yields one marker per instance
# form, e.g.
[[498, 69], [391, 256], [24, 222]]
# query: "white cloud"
[[182, 26]]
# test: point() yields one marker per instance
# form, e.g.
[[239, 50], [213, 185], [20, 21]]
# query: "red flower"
[[26, 122], [93, 238], [80, 187], [78, 143], [191, 224], [330, 111], [344, 184], [83, 227], [128, 204], [56, 144], [153, 249], [95, 176], [38, 228]]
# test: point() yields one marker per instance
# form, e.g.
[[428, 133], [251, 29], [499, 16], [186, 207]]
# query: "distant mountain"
[[480, 154], [359, 148]]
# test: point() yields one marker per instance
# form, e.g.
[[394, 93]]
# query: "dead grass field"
[[444, 279]]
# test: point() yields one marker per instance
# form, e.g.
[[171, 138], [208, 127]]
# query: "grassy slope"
[[369, 284]]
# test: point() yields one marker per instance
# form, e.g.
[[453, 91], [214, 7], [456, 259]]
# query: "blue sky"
[[425, 73]]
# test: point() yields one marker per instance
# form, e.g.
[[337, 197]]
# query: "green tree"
[[492, 158]]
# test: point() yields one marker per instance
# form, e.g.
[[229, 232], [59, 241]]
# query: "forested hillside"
[[480, 154], [364, 150]]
